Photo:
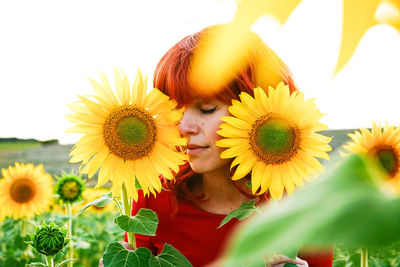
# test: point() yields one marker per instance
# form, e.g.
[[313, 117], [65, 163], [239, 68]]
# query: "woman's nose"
[[188, 124]]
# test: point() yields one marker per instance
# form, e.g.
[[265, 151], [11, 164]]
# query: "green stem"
[[364, 257], [118, 206], [50, 261], [127, 211], [69, 235]]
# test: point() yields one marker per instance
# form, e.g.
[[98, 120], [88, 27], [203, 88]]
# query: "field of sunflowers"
[[95, 228]]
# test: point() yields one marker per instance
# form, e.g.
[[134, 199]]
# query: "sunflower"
[[127, 136], [91, 194], [25, 190], [381, 145], [69, 188], [274, 137]]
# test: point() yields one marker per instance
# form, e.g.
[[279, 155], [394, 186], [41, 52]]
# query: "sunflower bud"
[[49, 239], [69, 188]]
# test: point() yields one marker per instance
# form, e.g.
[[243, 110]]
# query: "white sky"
[[48, 49]]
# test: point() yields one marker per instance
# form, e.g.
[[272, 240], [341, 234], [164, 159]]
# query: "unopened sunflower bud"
[[69, 188], [49, 239]]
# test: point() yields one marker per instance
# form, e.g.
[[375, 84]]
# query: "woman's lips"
[[195, 149]]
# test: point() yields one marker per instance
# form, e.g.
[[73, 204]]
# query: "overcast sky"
[[49, 49]]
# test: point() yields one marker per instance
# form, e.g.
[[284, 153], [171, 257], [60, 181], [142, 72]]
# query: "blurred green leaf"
[[35, 264], [100, 202], [117, 256], [64, 262], [169, 257], [290, 264], [244, 211], [345, 205], [339, 263], [145, 222]]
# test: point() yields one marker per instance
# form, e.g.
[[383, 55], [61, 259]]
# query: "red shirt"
[[194, 232]]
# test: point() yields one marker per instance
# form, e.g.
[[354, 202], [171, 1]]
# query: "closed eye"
[[208, 111]]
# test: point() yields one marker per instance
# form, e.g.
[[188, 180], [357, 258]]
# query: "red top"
[[194, 232]]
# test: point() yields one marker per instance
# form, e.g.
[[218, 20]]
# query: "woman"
[[192, 207]]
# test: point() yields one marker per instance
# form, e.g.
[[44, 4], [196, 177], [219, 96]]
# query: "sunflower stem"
[[118, 205], [364, 257], [50, 261], [69, 235], [127, 211]]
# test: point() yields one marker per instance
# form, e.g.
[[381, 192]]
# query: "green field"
[[12, 146]]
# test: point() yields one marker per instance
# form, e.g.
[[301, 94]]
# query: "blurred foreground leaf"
[[346, 206], [145, 222]]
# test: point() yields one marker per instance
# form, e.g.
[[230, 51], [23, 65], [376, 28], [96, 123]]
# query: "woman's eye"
[[208, 110]]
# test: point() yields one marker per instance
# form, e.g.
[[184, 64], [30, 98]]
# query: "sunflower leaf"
[[100, 202], [169, 257], [345, 206], [145, 222], [116, 255], [64, 262], [244, 211]]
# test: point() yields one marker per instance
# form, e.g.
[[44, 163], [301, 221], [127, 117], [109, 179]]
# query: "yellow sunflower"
[[25, 190], [91, 194], [382, 145], [128, 135], [274, 137]]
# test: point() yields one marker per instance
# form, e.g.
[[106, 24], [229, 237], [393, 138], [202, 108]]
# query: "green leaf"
[[64, 262], [344, 206], [291, 253], [290, 264], [244, 211], [144, 222], [169, 257], [339, 263], [100, 202], [35, 264], [117, 256]]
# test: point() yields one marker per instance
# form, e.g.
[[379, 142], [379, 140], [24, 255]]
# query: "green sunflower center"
[[130, 132], [70, 190], [275, 137], [274, 140], [22, 190], [49, 241], [388, 160]]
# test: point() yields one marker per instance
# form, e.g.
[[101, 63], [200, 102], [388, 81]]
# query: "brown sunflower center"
[[130, 132], [22, 190], [273, 139], [388, 159]]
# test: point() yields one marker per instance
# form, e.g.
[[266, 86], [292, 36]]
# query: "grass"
[[13, 146]]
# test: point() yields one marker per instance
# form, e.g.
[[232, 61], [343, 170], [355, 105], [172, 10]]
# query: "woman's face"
[[199, 124]]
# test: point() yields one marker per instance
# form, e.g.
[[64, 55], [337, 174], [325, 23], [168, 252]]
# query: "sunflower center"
[[273, 139], [22, 190], [388, 159], [70, 190], [130, 132]]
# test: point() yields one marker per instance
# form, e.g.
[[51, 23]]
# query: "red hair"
[[171, 77]]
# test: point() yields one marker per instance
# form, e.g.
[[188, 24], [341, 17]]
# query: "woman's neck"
[[221, 194]]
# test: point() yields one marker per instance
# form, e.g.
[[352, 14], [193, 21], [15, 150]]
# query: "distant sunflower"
[[91, 194], [134, 135], [382, 145], [69, 188], [274, 137], [25, 190]]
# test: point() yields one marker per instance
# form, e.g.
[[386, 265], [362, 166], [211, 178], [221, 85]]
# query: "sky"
[[49, 49]]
